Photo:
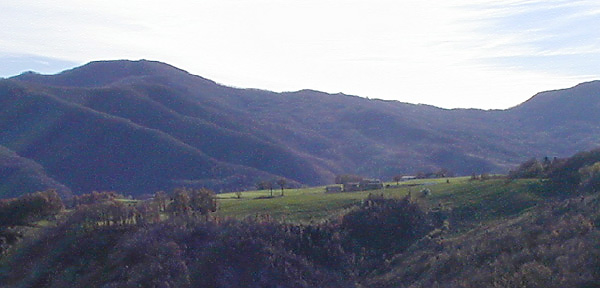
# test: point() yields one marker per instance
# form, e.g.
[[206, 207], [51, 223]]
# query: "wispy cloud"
[[524, 44], [539, 27], [459, 53], [15, 63]]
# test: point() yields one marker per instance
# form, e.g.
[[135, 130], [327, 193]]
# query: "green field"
[[478, 201]]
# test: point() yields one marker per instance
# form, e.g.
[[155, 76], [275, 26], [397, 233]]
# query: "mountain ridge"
[[252, 135]]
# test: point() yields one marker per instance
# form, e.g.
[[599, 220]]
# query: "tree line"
[[168, 241], [108, 208], [578, 174]]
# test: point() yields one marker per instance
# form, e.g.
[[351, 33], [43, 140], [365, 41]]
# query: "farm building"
[[333, 189], [351, 186], [363, 185], [370, 184]]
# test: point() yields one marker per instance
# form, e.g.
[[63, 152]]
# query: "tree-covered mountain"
[[142, 126], [20, 175]]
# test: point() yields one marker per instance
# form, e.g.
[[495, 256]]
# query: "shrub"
[[590, 178], [94, 197], [386, 225], [30, 208], [531, 168]]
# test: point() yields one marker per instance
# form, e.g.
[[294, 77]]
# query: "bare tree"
[[270, 186], [265, 185], [281, 182], [397, 178]]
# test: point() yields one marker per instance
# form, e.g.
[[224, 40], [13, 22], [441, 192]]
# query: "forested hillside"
[[137, 127], [19, 174], [464, 232]]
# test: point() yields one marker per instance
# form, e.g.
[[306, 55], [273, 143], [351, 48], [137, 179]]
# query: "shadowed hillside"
[[142, 126], [19, 176]]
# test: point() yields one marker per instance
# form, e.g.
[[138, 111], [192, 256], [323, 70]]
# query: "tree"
[[30, 208], [265, 185], [590, 177], [118, 212], [397, 179], [546, 164], [443, 173], [181, 202], [202, 201], [188, 202], [531, 168], [281, 182], [269, 185], [160, 198], [347, 178], [95, 197], [147, 212]]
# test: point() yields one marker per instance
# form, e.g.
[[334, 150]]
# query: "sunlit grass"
[[474, 201], [479, 200]]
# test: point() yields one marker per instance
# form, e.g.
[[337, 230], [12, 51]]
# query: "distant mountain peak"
[[130, 67], [579, 90], [103, 73]]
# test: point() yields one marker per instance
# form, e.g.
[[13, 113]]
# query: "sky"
[[450, 54]]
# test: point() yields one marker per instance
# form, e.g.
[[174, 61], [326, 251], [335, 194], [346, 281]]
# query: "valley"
[[139, 174]]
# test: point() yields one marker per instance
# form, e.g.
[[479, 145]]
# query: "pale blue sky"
[[456, 53]]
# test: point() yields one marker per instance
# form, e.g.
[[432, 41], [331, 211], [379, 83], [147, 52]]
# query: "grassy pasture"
[[472, 201]]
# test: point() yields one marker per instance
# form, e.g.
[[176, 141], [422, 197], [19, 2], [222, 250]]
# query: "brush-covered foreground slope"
[[496, 233], [501, 233], [142, 126], [554, 245]]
